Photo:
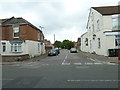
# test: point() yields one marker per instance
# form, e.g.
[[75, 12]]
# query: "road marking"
[[88, 63], [64, 59], [111, 63], [91, 59], [93, 80], [77, 63], [65, 63]]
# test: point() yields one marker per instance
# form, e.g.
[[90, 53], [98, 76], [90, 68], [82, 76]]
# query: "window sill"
[[15, 37], [17, 52]]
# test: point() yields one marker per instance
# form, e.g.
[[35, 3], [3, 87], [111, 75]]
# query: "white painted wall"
[[106, 41], [28, 47]]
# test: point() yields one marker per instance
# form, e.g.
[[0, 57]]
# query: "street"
[[67, 70]]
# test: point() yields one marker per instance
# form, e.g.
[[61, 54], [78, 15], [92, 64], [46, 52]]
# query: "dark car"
[[73, 50], [58, 50], [53, 52]]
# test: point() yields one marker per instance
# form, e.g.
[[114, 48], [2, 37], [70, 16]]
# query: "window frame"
[[98, 25], [115, 21], [16, 47], [16, 28], [117, 40], [38, 35], [99, 43]]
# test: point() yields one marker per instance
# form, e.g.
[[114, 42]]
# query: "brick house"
[[48, 45], [20, 39]]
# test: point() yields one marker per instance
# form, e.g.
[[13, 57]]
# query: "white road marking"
[[93, 80], [111, 63], [63, 63], [77, 63], [89, 63], [91, 59]]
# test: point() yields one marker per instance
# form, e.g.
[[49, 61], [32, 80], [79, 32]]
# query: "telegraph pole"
[[54, 38]]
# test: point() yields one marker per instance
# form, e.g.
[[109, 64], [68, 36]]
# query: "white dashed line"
[[63, 63], [77, 63]]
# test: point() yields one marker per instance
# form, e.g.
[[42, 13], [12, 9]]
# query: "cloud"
[[65, 18]]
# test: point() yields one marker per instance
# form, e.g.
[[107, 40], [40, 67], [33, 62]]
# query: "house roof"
[[17, 21], [84, 34], [108, 10]]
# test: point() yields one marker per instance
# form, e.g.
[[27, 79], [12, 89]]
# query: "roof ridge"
[[105, 6]]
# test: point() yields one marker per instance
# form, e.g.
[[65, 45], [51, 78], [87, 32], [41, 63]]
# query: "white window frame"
[[16, 47], [15, 31], [115, 22], [38, 35], [98, 24]]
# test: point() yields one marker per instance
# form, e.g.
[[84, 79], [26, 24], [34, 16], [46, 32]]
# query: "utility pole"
[[54, 38]]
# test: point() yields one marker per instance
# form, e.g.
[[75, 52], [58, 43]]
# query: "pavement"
[[100, 58]]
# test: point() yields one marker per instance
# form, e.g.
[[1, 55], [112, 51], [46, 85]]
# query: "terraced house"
[[20, 39], [103, 31]]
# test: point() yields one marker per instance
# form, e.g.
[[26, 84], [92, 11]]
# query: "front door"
[[3, 48]]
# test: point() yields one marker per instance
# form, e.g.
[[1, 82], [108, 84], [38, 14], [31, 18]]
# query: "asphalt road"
[[67, 70]]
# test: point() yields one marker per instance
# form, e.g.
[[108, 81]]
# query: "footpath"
[[100, 58], [23, 61]]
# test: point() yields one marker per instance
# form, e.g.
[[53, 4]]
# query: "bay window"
[[16, 47]]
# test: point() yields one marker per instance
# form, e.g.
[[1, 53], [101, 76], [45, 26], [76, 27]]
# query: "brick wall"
[[26, 33]]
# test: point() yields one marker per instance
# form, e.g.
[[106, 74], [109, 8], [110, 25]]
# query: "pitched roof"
[[18, 21], [108, 10]]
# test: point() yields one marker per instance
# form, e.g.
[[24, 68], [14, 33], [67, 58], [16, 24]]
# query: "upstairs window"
[[98, 25], [116, 22], [16, 32], [38, 35]]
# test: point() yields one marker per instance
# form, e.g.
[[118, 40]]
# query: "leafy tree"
[[57, 44], [66, 44]]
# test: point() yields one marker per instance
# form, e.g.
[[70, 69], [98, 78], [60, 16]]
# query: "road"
[[67, 70]]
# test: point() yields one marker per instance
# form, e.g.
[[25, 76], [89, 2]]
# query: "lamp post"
[[41, 27]]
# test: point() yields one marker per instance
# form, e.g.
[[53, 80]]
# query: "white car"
[[73, 50]]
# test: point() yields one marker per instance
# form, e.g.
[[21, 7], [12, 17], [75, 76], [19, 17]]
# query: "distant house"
[[48, 45], [103, 31], [20, 39]]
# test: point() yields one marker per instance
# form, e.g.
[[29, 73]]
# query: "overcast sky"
[[67, 19]]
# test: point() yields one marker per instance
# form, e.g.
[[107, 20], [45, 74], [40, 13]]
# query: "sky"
[[67, 19]]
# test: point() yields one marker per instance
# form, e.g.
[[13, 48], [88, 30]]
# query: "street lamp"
[[41, 27]]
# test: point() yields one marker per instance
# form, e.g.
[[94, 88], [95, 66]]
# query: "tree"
[[66, 44], [57, 44]]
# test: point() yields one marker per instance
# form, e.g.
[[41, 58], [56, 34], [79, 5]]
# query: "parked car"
[[58, 50], [53, 52], [73, 50]]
